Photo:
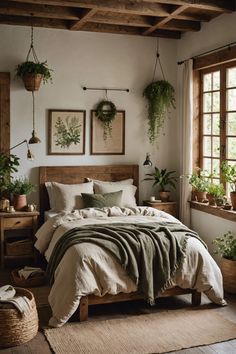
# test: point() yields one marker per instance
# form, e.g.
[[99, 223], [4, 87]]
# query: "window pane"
[[206, 124], [216, 181], [207, 146], [216, 101], [231, 148], [207, 106], [216, 167], [216, 80], [207, 165], [216, 124], [231, 77], [231, 100], [216, 147], [231, 126], [207, 82]]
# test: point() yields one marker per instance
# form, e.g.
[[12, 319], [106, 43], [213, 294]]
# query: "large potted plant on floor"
[[229, 175], [163, 178], [20, 188], [227, 249]]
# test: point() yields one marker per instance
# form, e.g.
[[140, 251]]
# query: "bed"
[[211, 283]]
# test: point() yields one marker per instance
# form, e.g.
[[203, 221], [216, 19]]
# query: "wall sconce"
[[147, 162], [30, 156], [34, 139]]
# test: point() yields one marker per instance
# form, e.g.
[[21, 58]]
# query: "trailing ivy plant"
[[106, 112], [161, 96]]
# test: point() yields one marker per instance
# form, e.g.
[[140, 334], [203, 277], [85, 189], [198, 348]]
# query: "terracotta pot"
[[199, 196], [32, 82], [164, 196], [233, 199], [228, 268], [211, 199], [19, 201]]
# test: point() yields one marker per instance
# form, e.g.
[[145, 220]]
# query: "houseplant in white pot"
[[227, 249], [229, 175], [163, 178]]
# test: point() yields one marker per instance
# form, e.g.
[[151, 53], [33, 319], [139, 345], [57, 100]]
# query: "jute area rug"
[[159, 332]]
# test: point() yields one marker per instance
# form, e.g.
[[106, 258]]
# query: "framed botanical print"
[[66, 132], [110, 142]]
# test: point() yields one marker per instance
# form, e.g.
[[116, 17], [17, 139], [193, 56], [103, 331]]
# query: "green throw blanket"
[[150, 253]]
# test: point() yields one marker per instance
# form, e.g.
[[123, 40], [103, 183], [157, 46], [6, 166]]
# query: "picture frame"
[[114, 143], [66, 132]]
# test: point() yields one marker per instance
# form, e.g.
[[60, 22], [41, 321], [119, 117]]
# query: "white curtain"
[[186, 140]]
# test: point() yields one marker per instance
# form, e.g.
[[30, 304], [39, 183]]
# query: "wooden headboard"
[[77, 174]]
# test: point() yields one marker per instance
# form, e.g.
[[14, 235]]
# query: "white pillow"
[[124, 181], [67, 197], [128, 196]]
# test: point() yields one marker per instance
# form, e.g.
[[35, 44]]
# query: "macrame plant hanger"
[[34, 139], [158, 61]]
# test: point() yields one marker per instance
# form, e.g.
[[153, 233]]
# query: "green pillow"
[[102, 200]]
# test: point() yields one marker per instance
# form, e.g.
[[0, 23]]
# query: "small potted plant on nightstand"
[[227, 249], [163, 178], [20, 187]]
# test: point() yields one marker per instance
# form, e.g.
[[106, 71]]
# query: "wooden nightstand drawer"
[[168, 207], [17, 223]]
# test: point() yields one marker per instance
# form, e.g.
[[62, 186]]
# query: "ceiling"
[[165, 18]]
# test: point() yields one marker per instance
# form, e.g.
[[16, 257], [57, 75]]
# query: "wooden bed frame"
[[77, 174]]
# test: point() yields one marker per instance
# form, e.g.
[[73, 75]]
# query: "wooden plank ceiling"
[[165, 18]]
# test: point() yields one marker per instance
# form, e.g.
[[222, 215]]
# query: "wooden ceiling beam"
[[121, 19], [88, 14], [45, 11], [212, 5], [182, 26], [37, 22], [135, 7]]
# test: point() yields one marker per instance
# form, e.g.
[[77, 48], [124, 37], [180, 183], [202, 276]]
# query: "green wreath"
[[106, 116]]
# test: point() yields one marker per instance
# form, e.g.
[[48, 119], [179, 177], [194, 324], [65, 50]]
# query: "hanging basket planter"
[[32, 82], [106, 112]]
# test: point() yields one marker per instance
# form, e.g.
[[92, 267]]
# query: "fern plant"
[[161, 97]]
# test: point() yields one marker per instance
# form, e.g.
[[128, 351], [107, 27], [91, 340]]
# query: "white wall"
[[94, 60], [218, 32]]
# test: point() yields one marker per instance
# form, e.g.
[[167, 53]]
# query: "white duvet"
[[88, 269]]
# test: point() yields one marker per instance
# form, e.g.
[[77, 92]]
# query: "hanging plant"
[[161, 96], [106, 112]]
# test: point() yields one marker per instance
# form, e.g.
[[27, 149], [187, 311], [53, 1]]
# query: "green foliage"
[[161, 97], [216, 190], [67, 132], [30, 67], [226, 245], [20, 186], [8, 165], [199, 180], [229, 174], [162, 178], [106, 116]]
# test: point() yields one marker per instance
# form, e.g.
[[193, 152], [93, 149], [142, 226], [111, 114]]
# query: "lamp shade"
[[34, 139], [147, 162]]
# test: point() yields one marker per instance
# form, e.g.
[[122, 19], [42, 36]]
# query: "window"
[[217, 117]]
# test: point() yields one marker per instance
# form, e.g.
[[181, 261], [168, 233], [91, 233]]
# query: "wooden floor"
[[39, 345]]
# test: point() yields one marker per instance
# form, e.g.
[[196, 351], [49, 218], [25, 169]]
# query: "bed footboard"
[[85, 301]]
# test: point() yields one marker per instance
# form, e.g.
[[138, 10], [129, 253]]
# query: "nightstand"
[[168, 207], [17, 232]]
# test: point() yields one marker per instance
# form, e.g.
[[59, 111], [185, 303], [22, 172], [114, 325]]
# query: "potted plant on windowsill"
[[32, 73], [215, 193], [20, 187], [227, 249], [229, 175], [199, 182], [163, 178]]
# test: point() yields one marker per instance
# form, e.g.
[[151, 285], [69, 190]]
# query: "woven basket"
[[16, 329], [19, 248], [37, 280], [32, 82]]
